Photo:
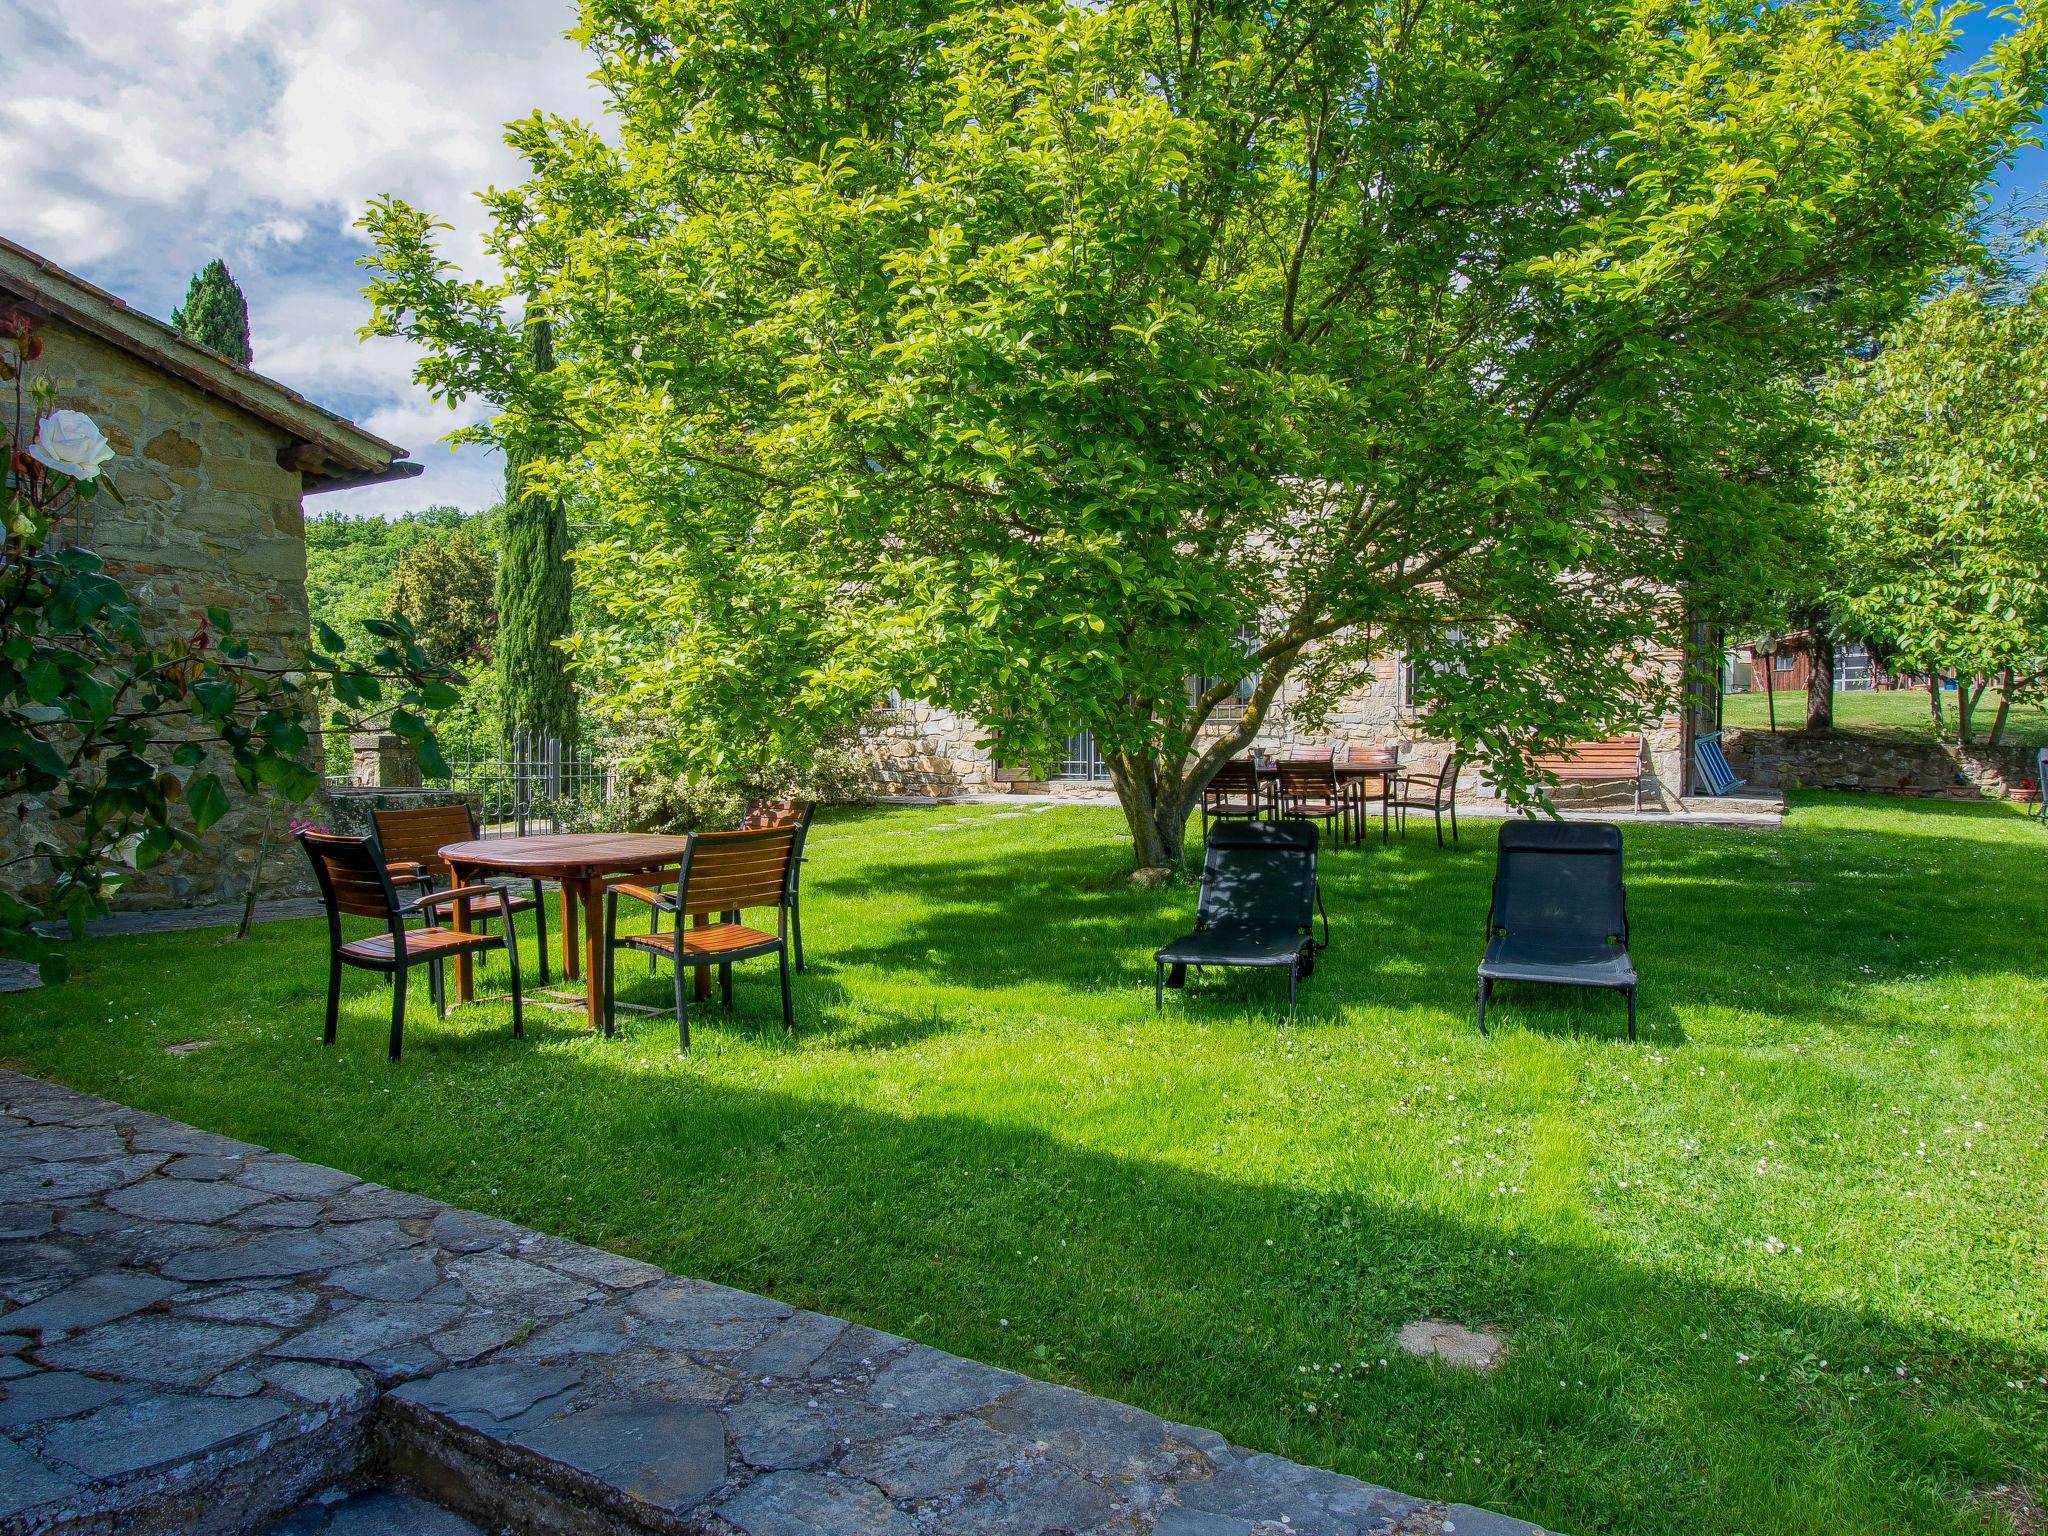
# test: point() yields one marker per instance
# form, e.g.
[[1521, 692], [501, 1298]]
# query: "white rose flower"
[[71, 444]]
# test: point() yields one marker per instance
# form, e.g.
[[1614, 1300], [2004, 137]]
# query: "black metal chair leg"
[[540, 929], [725, 986], [654, 927], [1631, 1014], [788, 1007], [397, 1011], [333, 996], [1293, 985], [1159, 986], [1484, 988], [434, 985], [796, 924], [512, 958], [682, 1002]]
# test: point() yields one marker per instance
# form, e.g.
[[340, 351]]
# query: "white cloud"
[[158, 137]]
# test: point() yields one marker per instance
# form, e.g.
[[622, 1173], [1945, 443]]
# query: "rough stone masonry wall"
[[206, 519], [1843, 760]]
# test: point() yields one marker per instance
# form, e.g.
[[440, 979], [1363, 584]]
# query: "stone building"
[[921, 749], [212, 464]]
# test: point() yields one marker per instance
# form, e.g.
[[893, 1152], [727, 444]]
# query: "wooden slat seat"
[[1617, 760], [719, 942], [420, 944]]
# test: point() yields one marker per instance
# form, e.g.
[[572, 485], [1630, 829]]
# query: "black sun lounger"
[[1560, 913], [1258, 905]]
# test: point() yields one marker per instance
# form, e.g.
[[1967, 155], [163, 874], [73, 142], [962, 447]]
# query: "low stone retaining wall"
[[196, 1333], [1845, 760]]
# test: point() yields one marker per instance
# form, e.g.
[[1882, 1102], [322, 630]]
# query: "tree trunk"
[[1968, 691], [1934, 701], [1157, 816], [2004, 708], [1820, 681]]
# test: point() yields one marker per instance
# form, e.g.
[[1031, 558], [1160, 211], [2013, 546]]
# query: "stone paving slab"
[[169, 1362]]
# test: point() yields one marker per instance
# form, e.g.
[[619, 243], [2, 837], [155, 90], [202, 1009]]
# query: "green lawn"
[[1903, 713], [1779, 1268]]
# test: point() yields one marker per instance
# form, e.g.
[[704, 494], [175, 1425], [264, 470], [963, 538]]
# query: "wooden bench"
[[1618, 760]]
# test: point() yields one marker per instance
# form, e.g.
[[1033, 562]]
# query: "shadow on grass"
[[1824, 915]]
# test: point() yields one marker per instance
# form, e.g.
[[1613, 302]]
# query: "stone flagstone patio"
[[198, 1335]]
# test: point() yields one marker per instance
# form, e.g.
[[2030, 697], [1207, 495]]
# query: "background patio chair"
[[353, 882], [1257, 908], [1309, 792], [1560, 911], [1435, 793], [1234, 794], [409, 841], [726, 873]]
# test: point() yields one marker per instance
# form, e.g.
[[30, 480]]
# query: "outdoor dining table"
[[583, 864], [1382, 768]]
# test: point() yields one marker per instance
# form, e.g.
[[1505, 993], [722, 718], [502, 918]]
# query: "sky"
[[144, 137]]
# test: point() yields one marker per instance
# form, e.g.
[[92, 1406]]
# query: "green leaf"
[[205, 800]]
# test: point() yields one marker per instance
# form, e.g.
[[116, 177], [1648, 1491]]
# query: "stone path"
[[197, 1335]]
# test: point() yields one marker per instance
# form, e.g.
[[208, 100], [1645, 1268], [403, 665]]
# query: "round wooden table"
[[583, 864]]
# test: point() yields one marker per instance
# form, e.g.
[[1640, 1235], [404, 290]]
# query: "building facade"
[[922, 749], [212, 464]]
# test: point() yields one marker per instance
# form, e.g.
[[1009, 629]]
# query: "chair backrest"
[[417, 834], [731, 871], [1259, 874], [1238, 776], [1313, 754], [1561, 879], [352, 878], [1370, 757], [1707, 756], [1308, 779]]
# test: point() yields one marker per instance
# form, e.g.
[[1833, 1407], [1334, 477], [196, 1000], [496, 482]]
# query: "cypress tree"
[[533, 589], [215, 314]]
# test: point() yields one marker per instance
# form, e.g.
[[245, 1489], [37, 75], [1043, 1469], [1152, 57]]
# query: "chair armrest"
[[653, 898], [461, 893], [405, 869]]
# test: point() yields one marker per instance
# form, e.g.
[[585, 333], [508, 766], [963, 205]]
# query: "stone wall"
[[1843, 760], [206, 519]]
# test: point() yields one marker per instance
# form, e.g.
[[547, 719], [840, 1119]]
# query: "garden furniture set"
[[718, 876], [1316, 784]]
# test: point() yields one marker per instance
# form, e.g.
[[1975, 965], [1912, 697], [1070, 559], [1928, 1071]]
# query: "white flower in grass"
[[70, 443]]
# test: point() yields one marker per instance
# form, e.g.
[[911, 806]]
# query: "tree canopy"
[[1026, 356], [215, 314], [1937, 501], [444, 585]]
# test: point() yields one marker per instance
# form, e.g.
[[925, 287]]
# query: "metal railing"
[[531, 785]]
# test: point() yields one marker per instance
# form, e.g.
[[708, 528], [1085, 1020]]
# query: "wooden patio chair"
[[1309, 792], [721, 874], [1435, 793], [409, 842], [353, 882], [1361, 796], [1233, 795]]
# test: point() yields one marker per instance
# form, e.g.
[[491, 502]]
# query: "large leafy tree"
[[215, 314], [1937, 504], [533, 579], [1027, 356]]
